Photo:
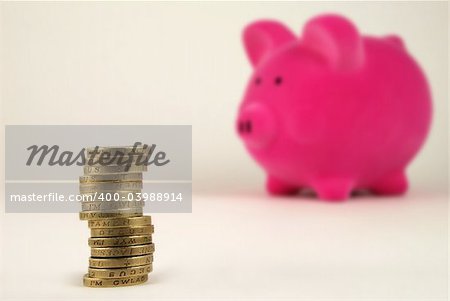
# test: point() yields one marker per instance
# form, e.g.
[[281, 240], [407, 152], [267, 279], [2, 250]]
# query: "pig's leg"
[[277, 187], [392, 184], [333, 189]]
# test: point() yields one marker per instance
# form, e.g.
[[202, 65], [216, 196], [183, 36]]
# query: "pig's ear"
[[337, 39], [261, 37], [395, 41]]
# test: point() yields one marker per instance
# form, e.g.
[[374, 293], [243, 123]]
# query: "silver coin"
[[113, 169], [111, 196], [111, 178], [110, 205], [126, 186], [141, 159], [118, 149]]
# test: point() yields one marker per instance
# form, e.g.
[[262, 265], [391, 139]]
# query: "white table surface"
[[249, 247]]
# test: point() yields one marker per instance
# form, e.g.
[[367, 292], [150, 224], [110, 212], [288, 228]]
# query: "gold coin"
[[120, 222], [123, 262], [128, 231], [123, 251], [120, 241], [88, 215], [120, 272], [114, 282]]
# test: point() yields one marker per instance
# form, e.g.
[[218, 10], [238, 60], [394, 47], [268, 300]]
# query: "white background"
[[183, 63]]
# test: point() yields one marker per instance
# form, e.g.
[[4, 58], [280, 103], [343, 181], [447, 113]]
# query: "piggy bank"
[[332, 110]]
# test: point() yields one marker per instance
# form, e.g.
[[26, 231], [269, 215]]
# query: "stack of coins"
[[121, 236]]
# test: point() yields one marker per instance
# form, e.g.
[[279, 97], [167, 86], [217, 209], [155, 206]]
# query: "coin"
[[113, 282], [138, 210], [123, 251], [119, 241], [120, 262], [118, 149], [120, 222], [120, 272], [121, 237], [111, 196], [106, 159], [111, 178], [125, 186], [113, 169], [89, 215], [110, 205], [128, 231]]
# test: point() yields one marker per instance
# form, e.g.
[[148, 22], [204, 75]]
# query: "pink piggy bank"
[[332, 111]]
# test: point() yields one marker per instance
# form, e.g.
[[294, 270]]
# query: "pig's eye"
[[258, 81], [278, 80]]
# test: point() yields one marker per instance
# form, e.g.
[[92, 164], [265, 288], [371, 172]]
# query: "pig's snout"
[[256, 125], [245, 127]]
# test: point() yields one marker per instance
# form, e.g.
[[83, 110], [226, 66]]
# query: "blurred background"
[[183, 63]]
